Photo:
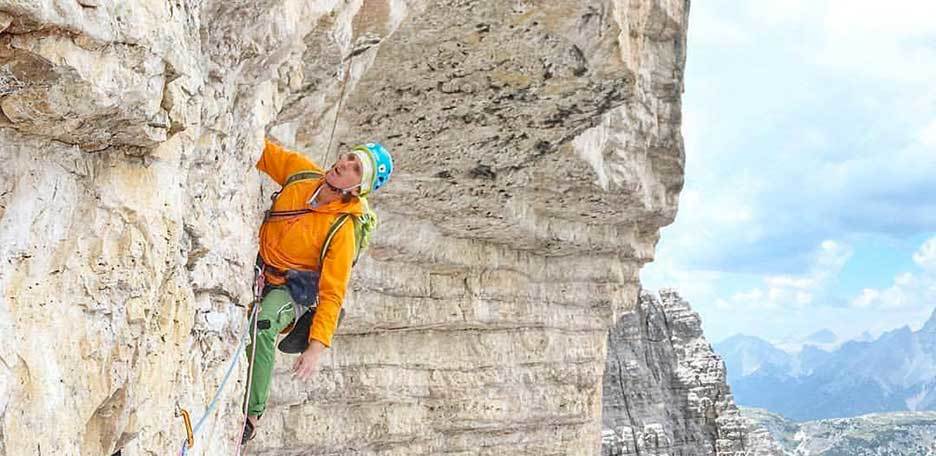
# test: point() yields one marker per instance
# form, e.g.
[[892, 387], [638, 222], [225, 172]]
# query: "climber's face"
[[345, 174]]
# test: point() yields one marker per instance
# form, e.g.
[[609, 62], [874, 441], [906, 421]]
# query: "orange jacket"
[[296, 242]]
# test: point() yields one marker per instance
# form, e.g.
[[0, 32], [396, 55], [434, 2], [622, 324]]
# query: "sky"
[[810, 194]]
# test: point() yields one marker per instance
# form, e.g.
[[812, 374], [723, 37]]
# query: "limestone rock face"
[[538, 153], [665, 391]]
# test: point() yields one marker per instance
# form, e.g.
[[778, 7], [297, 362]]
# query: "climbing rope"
[[253, 353], [191, 432], [344, 83]]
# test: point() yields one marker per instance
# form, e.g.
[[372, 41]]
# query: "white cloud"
[[717, 220], [804, 120], [925, 257], [695, 286], [777, 12], [800, 283], [869, 38], [909, 289], [755, 295], [813, 181], [804, 297], [888, 40], [867, 297], [715, 30], [797, 291], [904, 18], [928, 135], [831, 259]]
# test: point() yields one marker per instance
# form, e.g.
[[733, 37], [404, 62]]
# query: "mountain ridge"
[[895, 372]]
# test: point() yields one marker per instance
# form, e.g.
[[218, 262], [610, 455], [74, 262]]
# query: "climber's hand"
[[305, 364]]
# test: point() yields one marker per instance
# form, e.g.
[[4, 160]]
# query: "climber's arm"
[[336, 271], [280, 163], [333, 282]]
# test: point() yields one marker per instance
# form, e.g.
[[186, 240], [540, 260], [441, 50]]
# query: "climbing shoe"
[[297, 341], [249, 433]]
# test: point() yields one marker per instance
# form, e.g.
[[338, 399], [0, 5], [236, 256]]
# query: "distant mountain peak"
[[743, 338], [823, 336], [930, 326], [893, 372]]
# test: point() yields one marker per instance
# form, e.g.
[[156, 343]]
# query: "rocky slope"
[[665, 391], [895, 372], [538, 150], [881, 434]]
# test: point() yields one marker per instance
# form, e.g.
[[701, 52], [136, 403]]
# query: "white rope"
[[227, 376], [253, 354]]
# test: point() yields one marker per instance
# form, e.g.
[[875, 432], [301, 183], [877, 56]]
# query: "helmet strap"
[[339, 190]]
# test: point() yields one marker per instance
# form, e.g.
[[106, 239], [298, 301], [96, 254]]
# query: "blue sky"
[[810, 196]]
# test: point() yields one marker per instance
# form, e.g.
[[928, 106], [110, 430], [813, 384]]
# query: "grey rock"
[[665, 391], [538, 153], [879, 434]]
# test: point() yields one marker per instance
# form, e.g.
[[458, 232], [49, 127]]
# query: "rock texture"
[[538, 154], [665, 390], [878, 434]]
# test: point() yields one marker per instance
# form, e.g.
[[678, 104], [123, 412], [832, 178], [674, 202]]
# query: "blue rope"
[[227, 375]]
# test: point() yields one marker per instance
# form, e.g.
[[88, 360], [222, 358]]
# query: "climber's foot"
[[250, 430]]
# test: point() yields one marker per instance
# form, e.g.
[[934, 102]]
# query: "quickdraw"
[[252, 312], [190, 440]]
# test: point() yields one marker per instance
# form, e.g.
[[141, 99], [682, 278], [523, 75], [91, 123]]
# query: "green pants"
[[277, 309]]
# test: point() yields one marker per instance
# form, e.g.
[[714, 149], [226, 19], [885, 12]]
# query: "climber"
[[307, 249]]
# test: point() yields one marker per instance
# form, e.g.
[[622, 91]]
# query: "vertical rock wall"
[[665, 389], [538, 154]]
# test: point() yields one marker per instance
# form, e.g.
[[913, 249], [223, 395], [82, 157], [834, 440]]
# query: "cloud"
[[891, 41], [926, 256], [867, 297], [697, 286], [916, 289], [804, 122], [928, 135], [715, 30], [762, 204], [780, 12], [900, 18], [797, 291], [884, 40]]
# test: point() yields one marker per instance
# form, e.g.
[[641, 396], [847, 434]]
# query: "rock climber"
[[305, 257]]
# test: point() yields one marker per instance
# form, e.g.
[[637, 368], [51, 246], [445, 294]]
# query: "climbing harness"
[[364, 224], [252, 312]]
